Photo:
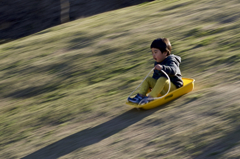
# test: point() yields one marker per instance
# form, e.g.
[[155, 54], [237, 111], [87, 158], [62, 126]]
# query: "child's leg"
[[148, 83], [161, 86], [166, 86]]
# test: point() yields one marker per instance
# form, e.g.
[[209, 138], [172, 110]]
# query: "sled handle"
[[169, 87], [141, 82]]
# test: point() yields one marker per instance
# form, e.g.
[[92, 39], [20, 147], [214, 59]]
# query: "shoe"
[[136, 99], [145, 100]]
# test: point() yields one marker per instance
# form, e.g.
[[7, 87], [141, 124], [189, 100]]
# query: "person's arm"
[[170, 69]]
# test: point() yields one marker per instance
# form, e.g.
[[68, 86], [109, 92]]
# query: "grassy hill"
[[63, 90]]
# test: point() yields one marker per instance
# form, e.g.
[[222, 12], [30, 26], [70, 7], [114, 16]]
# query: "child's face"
[[158, 55]]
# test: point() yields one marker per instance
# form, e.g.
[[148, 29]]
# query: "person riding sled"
[[159, 83]]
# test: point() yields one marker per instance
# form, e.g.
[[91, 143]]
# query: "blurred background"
[[19, 18]]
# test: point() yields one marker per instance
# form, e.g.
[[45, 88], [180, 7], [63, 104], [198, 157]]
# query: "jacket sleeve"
[[171, 68]]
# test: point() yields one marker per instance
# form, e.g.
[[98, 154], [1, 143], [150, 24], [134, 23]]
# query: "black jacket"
[[171, 67]]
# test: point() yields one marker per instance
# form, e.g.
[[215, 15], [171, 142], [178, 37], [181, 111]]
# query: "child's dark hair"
[[163, 44]]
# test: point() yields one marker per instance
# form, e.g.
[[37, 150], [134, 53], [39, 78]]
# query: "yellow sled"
[[188, 85]]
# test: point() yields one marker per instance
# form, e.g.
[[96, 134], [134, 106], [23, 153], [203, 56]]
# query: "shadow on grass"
[[177, 6], [32, 91], [91, 135], [221, 146]]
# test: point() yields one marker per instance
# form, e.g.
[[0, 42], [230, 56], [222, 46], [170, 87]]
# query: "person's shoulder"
[[170, 58], [175, 57]]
